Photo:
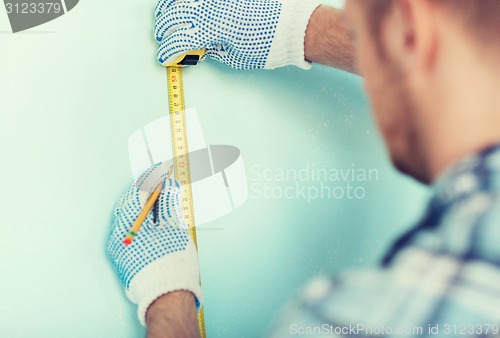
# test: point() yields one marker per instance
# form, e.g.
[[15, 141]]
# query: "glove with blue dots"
[[162, 257], [244, 34]]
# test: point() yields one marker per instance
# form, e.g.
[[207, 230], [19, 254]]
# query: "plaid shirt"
[[441, 279]]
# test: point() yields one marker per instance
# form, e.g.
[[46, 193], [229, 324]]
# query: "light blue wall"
[[71, 93]]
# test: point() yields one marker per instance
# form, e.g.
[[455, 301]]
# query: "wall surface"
[[73, 90]]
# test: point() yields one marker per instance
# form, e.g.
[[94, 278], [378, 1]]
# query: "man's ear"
[[409, 34]]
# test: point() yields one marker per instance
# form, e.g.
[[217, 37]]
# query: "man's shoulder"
[[419, 290], [471, 229]]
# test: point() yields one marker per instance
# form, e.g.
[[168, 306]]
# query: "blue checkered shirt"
[[441, 279]]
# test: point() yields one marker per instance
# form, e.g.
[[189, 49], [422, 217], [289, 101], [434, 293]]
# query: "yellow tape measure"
[[178, 129]]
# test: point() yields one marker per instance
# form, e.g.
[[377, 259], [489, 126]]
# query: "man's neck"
[[463, 111]]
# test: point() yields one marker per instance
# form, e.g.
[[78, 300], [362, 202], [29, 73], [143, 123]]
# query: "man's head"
[[418, 58]]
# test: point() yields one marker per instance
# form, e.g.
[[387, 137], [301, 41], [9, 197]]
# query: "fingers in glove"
[[178, 43], [221, 54], [163, 5], [170, 205], [150, 179], [179, 15]]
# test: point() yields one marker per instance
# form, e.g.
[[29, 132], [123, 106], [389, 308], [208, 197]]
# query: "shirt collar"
[[471, 174], [478, 173]]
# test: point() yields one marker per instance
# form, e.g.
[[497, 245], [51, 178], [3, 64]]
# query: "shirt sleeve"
[[342, 307], [421, 294]]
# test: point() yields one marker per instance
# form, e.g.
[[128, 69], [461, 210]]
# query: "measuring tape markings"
[[178, 128]]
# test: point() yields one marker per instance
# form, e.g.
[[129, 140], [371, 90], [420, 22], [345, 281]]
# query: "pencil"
[[145, 211]]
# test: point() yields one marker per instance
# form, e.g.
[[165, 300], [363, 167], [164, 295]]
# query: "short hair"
[[481, 18]]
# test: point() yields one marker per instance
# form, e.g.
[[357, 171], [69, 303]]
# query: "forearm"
[[173, 315], [328, 41]]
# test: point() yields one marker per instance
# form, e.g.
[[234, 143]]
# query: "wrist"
[[288, 44], [313, 34], [178, 301], [173, 272], [328, 41], [173, 315]]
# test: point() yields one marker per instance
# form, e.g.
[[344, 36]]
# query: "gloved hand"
[[244, 34], [162, 258]]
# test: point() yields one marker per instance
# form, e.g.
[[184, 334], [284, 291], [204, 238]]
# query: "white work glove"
[[244, 34], [162, 257]]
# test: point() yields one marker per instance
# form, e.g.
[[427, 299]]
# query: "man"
[[432, 70]]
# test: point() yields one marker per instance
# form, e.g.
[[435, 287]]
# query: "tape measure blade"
[[180, 150], [179, 136]]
